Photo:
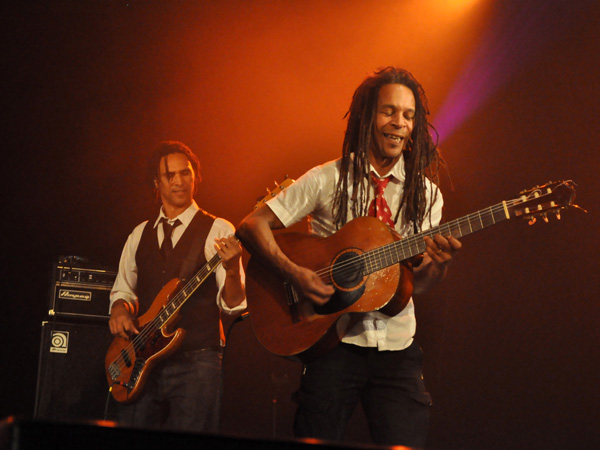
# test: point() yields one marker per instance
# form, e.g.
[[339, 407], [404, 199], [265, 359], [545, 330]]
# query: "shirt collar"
[[185, 217], [398, 171]]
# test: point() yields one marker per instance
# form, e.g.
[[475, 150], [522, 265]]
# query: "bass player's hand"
[[121, 321]]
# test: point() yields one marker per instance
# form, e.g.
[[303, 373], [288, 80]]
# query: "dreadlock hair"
[[421, 156], [166, 148]]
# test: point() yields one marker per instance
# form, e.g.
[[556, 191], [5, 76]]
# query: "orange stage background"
[[258, 89]]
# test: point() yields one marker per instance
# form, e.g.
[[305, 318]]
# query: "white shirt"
[[312, 195], [126, 281]]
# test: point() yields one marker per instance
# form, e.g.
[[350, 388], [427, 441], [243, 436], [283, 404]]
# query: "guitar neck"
[[194, 283], [186, 292], [414, 245]]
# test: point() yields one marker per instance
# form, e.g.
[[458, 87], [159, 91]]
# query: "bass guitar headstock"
[[540, 201], [270, 194]]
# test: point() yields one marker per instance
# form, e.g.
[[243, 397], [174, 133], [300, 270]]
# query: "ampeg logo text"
[[70, 294], [59, 342]]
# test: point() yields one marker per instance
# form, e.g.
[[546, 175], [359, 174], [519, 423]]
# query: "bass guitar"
[[370, 268], [128, 362]]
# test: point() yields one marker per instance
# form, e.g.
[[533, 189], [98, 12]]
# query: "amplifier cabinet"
[[79, 290], [71, 384]]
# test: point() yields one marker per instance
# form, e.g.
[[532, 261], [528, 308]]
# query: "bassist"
[[183, 390], [388, 169]]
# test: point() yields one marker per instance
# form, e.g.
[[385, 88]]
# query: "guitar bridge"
[[114, 370], [292, 301]]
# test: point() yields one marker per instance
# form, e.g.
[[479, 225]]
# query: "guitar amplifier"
[[71, 385], [80, 289]]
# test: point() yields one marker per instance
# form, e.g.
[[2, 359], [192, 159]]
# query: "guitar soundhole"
[[348, 279]]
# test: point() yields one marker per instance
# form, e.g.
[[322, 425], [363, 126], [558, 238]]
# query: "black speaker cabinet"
[[71, 384]]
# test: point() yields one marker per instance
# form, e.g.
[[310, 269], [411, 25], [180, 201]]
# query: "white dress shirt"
[[126, 281], [312, 195]]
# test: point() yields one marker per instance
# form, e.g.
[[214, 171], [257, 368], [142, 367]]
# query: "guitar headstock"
[[539, 201], [270, 194]]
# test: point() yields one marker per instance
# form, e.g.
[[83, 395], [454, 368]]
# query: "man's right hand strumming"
[[256, 233], [311, 286]]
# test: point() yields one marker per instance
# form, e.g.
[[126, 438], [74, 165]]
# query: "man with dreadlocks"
[[389, 168]]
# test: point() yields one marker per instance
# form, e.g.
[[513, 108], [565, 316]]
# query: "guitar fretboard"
[[414, 245], [183, 294]]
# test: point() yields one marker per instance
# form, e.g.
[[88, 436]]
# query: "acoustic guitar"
[[370, 268], [128, 362]]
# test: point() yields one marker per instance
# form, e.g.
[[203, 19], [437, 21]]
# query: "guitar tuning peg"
[[532, 220], [545, 217], [557, 213]]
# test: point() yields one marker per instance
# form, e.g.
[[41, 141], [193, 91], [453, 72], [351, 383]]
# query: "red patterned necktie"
[[379, 207]]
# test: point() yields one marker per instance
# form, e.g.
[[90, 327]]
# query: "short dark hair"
[[165, 148]]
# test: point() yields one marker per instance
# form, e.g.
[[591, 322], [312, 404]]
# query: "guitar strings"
[[392, 249], [155, 324], [456, 225], [139, 341], [376, 255]]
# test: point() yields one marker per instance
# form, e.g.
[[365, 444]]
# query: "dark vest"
[[199, 316]]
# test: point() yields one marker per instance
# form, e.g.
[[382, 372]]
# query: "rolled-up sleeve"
[[222, 228], [126, 280]]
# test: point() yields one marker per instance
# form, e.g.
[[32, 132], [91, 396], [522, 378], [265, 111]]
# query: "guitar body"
[[129, 362], [295, 327], [370, 267]]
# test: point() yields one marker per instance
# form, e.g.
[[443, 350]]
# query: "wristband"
[[128, 307]]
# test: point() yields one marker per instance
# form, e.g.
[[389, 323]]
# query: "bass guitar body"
[[291, 326], [129, 362]]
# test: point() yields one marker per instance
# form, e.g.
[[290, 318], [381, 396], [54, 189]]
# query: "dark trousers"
[[183, 393], [389, 384]]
